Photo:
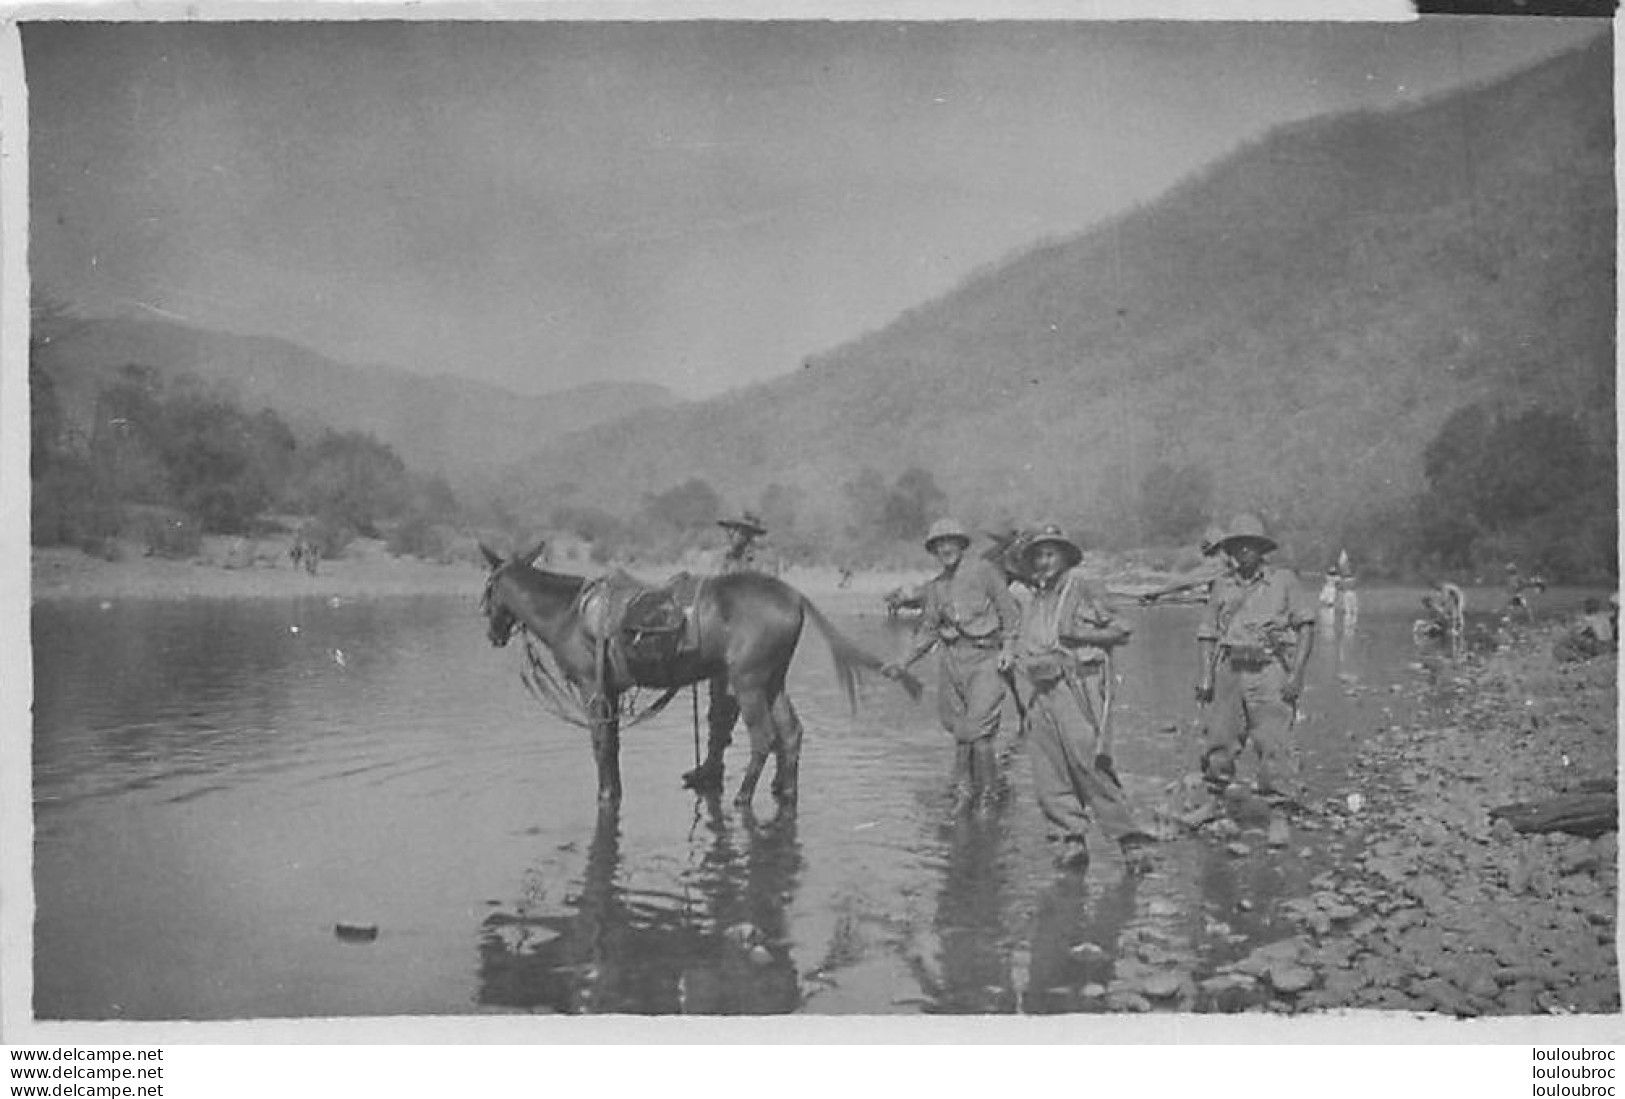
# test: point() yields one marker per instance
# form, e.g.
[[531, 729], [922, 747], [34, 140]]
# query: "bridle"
[[499, 629]]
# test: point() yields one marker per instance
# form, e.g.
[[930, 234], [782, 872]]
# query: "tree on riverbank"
[[170, 460]]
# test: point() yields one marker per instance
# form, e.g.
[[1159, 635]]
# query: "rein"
[[555, 692], [568, 702]]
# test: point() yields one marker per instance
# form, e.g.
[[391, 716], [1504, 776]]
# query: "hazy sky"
[[539, 205]]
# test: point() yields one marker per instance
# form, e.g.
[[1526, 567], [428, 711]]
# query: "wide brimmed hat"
[[1247, 528], [1052, 536], [1211, 537], [946, 528], [746, 522]]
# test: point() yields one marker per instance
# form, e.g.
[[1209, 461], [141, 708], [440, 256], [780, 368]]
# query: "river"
[[219, 784]]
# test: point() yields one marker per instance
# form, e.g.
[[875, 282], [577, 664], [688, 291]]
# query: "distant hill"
[[1299, 318], [461, 429]]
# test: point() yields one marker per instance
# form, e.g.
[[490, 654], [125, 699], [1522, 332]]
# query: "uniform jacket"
[[1264, 611]]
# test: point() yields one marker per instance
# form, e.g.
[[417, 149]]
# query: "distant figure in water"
[[1328, 595], [304, 552], [1345, 585], [1517, 585], [1453, 601]]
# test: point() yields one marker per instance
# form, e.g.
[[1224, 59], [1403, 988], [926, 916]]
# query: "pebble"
[[1125, 1000], [760, 955], [356, 932], [1162, 985], [1289, 977], [1239, 850], [743, 934]]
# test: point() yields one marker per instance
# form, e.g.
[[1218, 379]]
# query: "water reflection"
[[213, 789], [1075, 930], [973, 970], [721, 947]]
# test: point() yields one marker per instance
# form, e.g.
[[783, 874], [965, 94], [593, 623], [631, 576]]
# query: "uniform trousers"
[[1248, 710], [1063, 741], [970, 694]]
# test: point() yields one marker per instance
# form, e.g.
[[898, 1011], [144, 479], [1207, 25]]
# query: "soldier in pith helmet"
[[971, 615]]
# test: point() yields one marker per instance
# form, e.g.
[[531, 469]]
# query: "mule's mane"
[[549, 583]]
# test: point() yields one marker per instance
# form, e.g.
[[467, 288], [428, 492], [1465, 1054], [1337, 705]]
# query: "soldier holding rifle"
[[1255, 640], [1216, 564], [1067, 632]]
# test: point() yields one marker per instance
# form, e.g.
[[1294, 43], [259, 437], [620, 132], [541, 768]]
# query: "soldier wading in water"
[[1066, 632], [971, 614], [1254, 643]]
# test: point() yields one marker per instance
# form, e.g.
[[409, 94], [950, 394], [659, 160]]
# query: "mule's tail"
[[850, 657]]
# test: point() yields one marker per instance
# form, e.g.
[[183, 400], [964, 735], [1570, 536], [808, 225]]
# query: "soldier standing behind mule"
[[1254, 642], [969, 612], [1066, 632], [742, 554]]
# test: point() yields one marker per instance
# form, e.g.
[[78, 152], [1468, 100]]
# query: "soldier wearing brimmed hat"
[[1255, 641], [741, 555], [1217, 563], [970, 613], [1067, 634]]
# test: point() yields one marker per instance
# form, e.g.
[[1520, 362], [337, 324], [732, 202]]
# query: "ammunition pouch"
[[1249, 658], [1046, 669]]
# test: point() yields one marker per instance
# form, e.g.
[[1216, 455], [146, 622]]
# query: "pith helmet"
[[1053, 536], [1247, 528], [946, 528], [745, 522], [1211, 537]]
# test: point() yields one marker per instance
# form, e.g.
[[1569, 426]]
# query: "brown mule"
[[748, 625]]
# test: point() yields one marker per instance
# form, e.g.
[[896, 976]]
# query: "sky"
[[540, 205]]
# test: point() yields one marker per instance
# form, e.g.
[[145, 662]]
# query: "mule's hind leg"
[[606, 751], [759, 721], [786, 750], [720, 719]]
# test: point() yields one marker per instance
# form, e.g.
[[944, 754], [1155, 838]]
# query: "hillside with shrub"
[[1391, 332], [454, 428], [165, 459]]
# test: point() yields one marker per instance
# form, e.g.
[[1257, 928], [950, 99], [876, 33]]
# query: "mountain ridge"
[[1299, 317], [432, 421]]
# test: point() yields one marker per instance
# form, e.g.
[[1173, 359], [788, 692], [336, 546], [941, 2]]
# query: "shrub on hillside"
[[420, 537], [331, 535], [172, 536]]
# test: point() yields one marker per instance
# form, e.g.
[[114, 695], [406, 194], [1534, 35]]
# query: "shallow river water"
[[219, 784]]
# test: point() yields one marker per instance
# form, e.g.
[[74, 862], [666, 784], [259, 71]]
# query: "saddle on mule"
[[642, 630]]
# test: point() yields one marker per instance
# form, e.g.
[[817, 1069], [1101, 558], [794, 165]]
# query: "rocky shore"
[[1446, 908]]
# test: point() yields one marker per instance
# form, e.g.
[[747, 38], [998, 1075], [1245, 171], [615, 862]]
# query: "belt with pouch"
[[1248, 658]]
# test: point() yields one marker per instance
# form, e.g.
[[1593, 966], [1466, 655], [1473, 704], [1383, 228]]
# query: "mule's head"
[[500, 619]]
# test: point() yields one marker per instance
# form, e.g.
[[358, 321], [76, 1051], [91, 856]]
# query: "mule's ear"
[[490, 557], [535, 554]]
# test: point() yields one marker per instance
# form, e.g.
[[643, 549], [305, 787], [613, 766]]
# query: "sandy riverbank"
[[223, 570]]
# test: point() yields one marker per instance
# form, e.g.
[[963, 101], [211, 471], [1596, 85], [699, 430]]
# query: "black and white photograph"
[[1093, 523]]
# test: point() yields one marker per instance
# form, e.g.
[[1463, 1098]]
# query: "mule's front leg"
[[606, 751]]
